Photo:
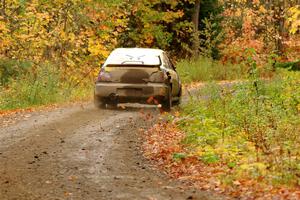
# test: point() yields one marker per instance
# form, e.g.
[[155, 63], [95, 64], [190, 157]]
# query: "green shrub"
[[293, 66], [10, 69]]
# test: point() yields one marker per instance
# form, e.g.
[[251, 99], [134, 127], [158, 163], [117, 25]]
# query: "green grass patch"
[[252, 128], [206, 69], [41, 85]]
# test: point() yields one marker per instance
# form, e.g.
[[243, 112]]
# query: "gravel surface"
[[80, 152]]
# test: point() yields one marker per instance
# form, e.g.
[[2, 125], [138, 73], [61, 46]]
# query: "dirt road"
[[81, 152]]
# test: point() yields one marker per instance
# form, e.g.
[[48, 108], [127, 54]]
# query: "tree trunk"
[[3, 9], [280, 21], [196, 42]]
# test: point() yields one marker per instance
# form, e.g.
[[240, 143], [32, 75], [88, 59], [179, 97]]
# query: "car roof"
[[134, 56]]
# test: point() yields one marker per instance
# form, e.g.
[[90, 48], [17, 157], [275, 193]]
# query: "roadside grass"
[[251, 129], [25, 85], [206, 69], [42, 85]]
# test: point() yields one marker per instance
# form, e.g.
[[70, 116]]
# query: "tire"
[[178, 102], [167, 103], [99, 103]]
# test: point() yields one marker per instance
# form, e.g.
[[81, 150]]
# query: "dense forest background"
[[73, 37]]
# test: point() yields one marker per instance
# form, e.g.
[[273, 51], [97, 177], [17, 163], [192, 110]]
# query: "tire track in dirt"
[[82, 154]]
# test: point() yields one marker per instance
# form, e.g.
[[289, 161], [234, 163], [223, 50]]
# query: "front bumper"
[[125, 92]]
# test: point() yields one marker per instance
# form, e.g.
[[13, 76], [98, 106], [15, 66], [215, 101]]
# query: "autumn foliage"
[[164, 148], [77, 35], [235, 138], [269, 27]]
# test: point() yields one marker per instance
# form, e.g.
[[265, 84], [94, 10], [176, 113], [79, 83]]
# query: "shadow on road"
[[132, 107]]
